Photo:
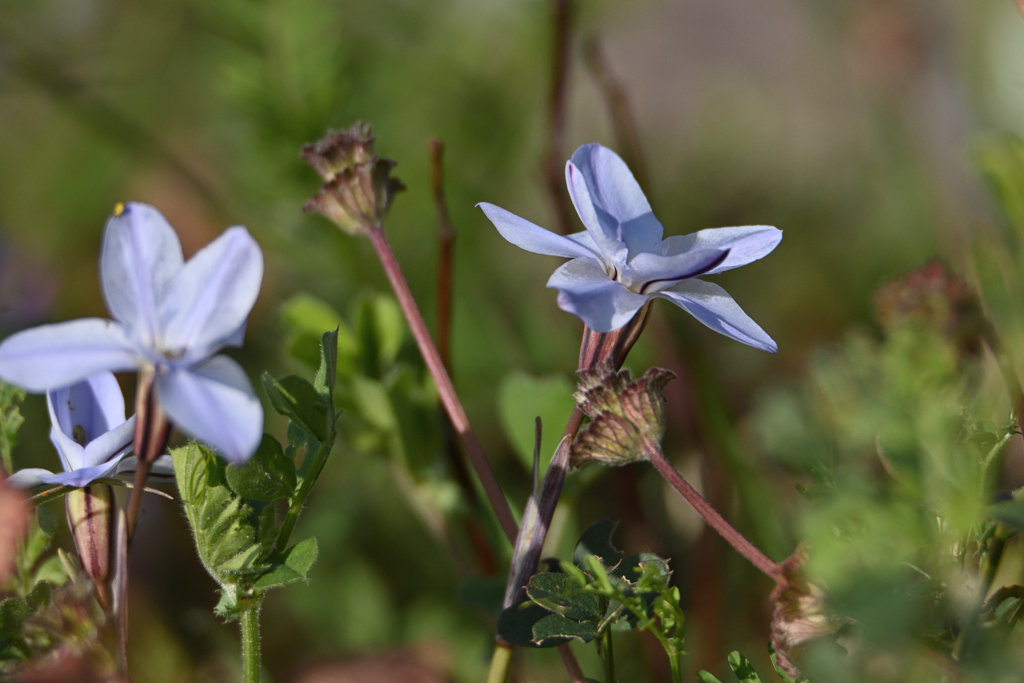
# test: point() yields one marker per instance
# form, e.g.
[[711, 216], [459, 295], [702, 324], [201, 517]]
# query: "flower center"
[[78, 434]]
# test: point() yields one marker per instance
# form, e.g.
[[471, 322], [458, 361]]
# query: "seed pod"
[[90, 515]]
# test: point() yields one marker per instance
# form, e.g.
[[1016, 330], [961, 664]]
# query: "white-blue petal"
[[587, 292], [651, 273], [51, 356], [162, 467], [615, 199], [215, 404], [116, 442], [210, 297], [141, 254], [28, 478], [746, 244], [82, 476], [713, 306], [532, 237]]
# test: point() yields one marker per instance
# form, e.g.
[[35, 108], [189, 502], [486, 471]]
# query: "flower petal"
[[713, 306], [654, 273], [115, 442], [141, 253], [586, 291], [212, 295], [746, 244], [82, 476], [162, 467], [609, 200], [533, 238], [214, 403], [28, 478], [58, 355], [72, 453]]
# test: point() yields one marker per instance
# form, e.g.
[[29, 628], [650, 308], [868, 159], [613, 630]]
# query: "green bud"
[[90, 515], [623, 414]]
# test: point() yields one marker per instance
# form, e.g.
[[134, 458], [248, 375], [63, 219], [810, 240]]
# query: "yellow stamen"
[[118, 208]]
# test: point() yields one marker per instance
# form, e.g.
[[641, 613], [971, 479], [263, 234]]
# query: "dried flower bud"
[[624, 413], [799, 614], [359, 187], [933, 297], [91, 518]]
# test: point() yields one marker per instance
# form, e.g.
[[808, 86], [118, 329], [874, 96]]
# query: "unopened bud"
[[91, 518], [359, 187], [624, 413]]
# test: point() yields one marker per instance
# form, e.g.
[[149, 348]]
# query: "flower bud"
[[359, 187], [624, 413], [91, 518]]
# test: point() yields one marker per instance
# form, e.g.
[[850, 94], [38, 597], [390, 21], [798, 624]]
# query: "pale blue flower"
[[620, 262], [170, 317], [90, 434]]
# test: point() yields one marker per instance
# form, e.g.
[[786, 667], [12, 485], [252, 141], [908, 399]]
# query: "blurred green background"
[[849, 124]]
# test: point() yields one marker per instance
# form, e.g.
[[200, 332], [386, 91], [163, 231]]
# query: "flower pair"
[[170, 319], [620, 262]]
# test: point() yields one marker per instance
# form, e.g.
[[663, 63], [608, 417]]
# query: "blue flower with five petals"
[[620, 262]]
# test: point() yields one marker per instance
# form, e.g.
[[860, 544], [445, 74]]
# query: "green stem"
[[251, 643], [501, 662], [608, 655], [299, 499], [677, 667]]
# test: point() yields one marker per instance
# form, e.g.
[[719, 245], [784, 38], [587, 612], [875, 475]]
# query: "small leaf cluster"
[[745, 672], [231, 509], [599, 592], [10, 422]]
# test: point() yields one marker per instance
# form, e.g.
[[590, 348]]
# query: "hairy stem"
[[251, 644], [449, 398], [714, 519]]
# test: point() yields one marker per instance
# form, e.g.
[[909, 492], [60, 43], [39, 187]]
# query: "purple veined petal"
[[115, 442], [141, 253], [82, 476], [746, 244], [28, 478], [211, 296], [652, 273], [587, 292], [532, 237], [617, 202], [50, 356], [215, 404], [712, 305]]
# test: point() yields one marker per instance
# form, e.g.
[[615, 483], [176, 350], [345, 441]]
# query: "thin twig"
[[626, 132], [714, 519], [449, 398], [554, 173]]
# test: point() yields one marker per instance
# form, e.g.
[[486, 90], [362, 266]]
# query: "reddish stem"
[[714, 519], [152, 430], [449, 399]]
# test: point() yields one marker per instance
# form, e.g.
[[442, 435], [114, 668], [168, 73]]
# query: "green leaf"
[[556, 629], [380, 328], [521, 399], [269, 474], [632, 568], [561, 594], [597, 540], [742, 668], [327, 373], [706, 677], [307, 317], [297, 399], [293, 566], [1001, 161], [10, 422], [13, 612], [39, 596], [515, 625]]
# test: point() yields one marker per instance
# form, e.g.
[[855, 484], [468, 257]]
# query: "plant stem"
[[676, 666], [501, 662], [449, 398], [251, 644], [714, 519], [299, 499], [607, 654]]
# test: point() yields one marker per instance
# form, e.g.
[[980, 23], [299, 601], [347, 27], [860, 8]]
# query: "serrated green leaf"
[[515, 624], [597, 540], [269, 474], [39, 596], [556, 629], [327, 373], [297, 399], [742, 668], [293, 566], [521, 399], [561, 594], [10, 422]]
